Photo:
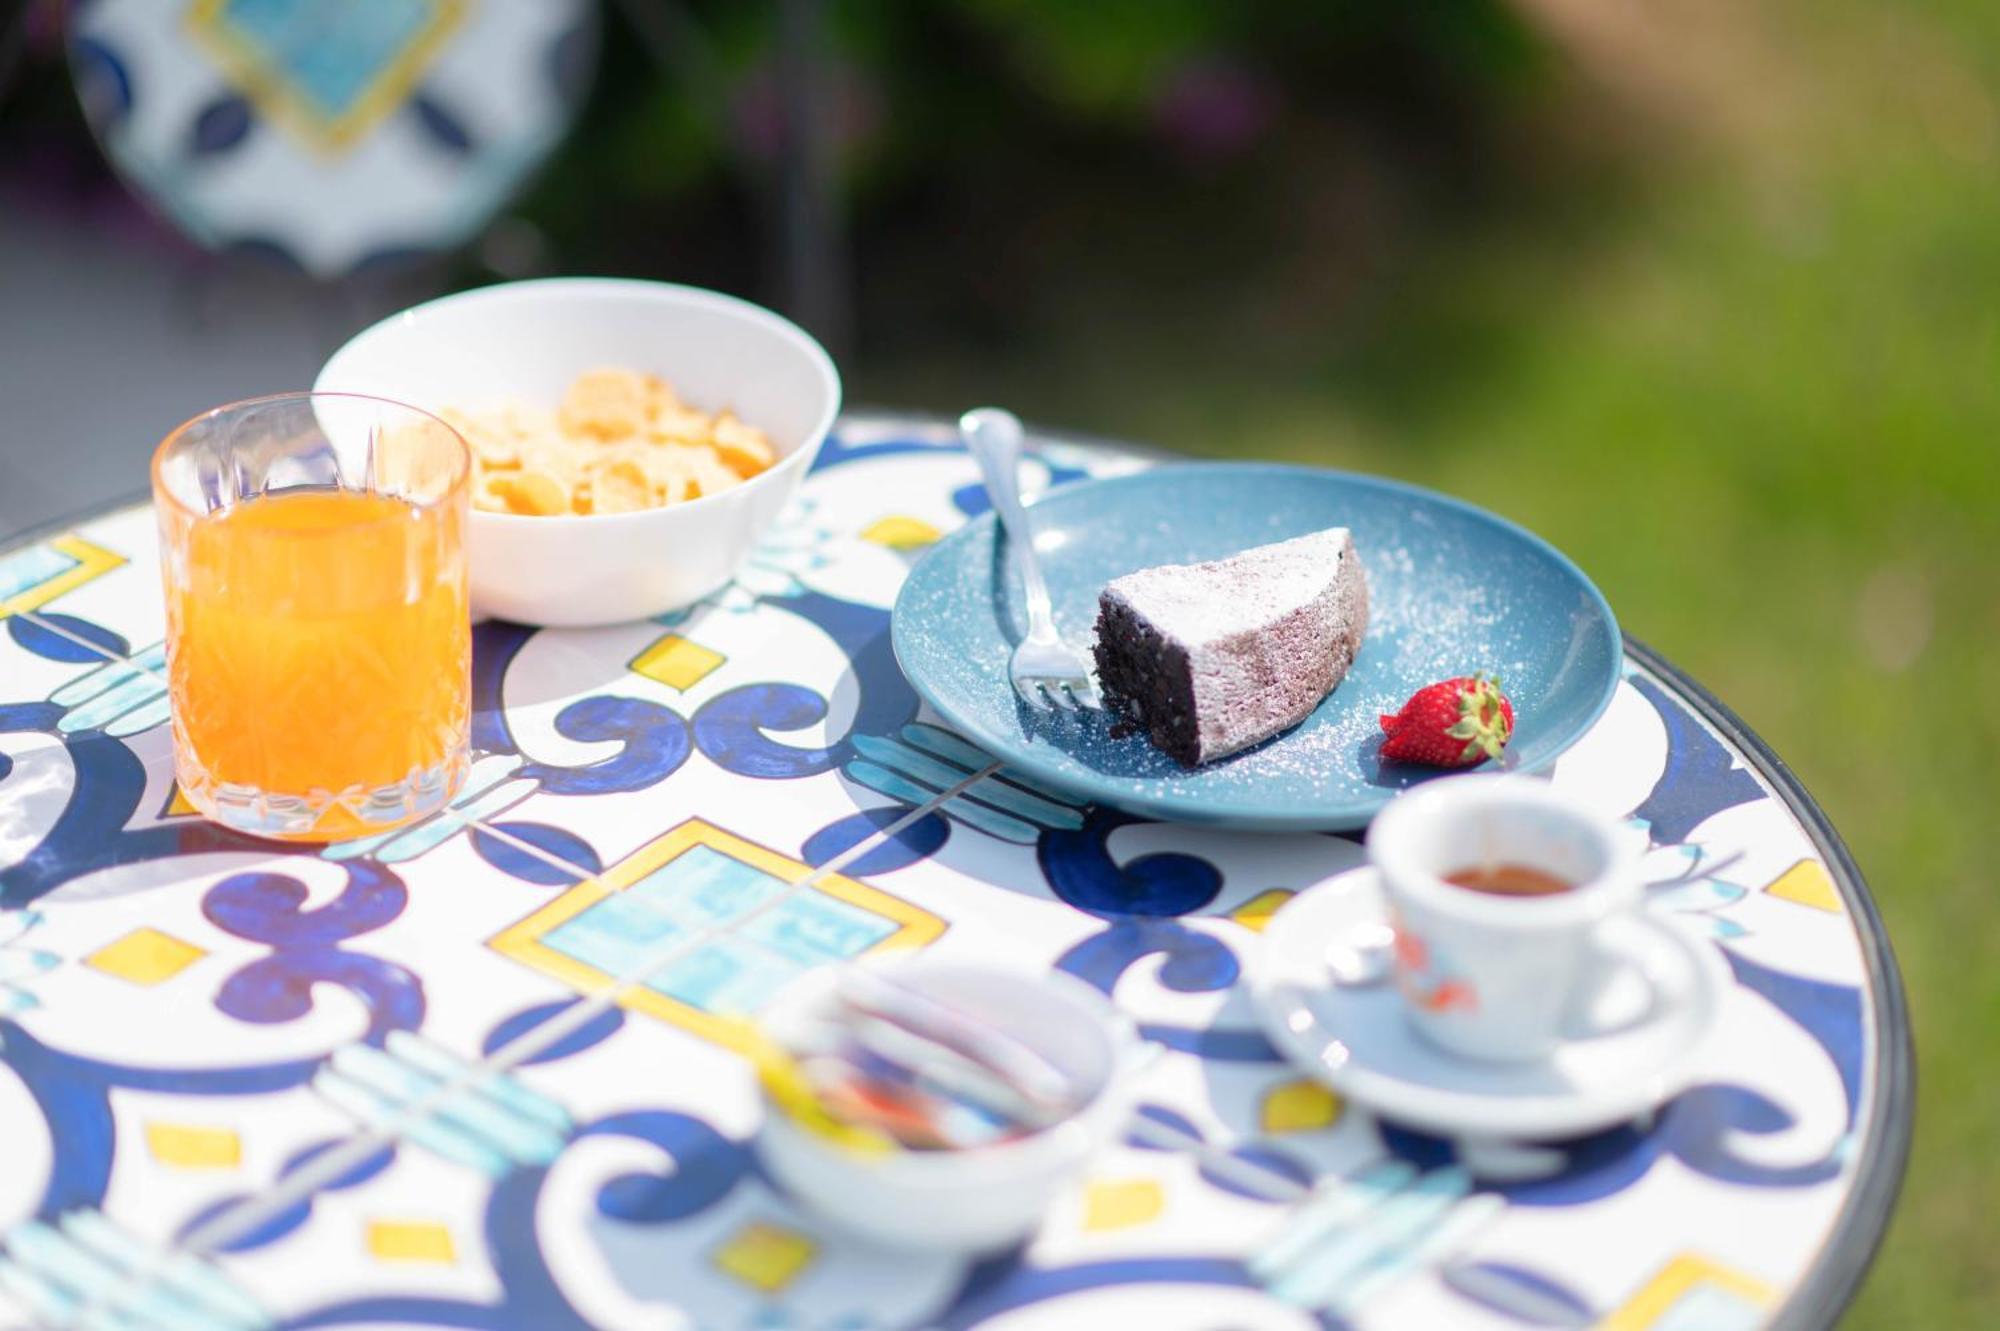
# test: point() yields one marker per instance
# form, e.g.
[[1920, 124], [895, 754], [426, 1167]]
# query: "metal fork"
[[1047, 671]]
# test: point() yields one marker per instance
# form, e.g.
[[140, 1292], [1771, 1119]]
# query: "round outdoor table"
[[398, 1082]]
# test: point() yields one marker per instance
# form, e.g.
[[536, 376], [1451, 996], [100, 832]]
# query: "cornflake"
[[618, 442]]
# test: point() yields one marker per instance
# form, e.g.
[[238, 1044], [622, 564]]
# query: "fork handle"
[[994, 437]]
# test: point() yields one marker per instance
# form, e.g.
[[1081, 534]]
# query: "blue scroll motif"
[[1081, 871], [707, 1166], [1701, 779], [89, 835], [73, 1094], [733, 729], [80, 1170], [1700, 1126], [1138, 898], [656, 744], [1831, 1013], [655, 737], [495, 644], [529, 1296], [1194, 962], [306, 951], [653, 744], [730, 728]]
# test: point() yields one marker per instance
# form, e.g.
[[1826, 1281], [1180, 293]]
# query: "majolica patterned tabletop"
[[456, 1076]]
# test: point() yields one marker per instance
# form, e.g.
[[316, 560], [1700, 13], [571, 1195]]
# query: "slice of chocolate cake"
[[1208, 659]]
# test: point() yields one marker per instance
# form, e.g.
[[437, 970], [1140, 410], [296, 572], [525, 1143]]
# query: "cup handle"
[[1622, 944]]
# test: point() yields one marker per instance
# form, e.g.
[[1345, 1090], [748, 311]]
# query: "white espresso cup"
[[1508, 978]]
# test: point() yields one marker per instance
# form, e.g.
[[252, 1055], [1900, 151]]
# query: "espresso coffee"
[[1509, 880]]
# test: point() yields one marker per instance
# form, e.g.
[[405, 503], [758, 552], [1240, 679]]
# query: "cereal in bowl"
[[619, 441]]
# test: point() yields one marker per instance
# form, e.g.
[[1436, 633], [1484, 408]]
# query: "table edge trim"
[[1836, 1274]]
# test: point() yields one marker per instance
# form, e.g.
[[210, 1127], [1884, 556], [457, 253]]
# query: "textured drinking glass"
[[319, 640]]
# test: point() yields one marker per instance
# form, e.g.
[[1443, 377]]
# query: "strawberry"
[[1453, 723]]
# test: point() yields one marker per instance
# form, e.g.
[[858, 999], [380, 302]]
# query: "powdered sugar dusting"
[[1200, 604]]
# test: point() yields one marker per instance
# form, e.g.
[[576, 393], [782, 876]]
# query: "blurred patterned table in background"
[[329, 136], [413, 1080]]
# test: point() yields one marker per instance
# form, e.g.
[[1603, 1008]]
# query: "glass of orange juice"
[[319, 639]]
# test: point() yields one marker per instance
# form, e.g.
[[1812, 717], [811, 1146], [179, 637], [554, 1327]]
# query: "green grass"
[[1757, 395]]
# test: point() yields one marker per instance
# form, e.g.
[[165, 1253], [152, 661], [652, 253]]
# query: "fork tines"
[[1062, 695]]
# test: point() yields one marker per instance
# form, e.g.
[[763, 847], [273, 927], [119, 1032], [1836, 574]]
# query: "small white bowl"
[[985, 1197], [527, 341]]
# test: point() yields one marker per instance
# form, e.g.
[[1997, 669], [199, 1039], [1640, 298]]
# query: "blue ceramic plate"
[[1453, 589]]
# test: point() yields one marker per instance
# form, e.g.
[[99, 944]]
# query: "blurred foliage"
[[928, 97], [1106, 60]]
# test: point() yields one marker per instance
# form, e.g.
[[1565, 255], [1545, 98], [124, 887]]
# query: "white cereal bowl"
[[982, 1198], [527, 341]]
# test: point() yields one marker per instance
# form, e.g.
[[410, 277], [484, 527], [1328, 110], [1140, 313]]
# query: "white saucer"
[[1358, 1040]]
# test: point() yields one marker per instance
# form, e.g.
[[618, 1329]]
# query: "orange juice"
[[319, 657]]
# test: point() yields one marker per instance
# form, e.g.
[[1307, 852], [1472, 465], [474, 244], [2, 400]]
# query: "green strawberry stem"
[[1482, 722]]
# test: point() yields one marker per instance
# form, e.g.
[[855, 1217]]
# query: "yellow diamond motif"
[[1808, 884], [145, 956], [1299, 1106], [189, 1146], [327, 73], [411, 1241], [765, 1256], [1255, 913], [1691, 1291], [677, 662], [901, 533], [1121, 1203]]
